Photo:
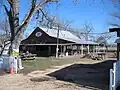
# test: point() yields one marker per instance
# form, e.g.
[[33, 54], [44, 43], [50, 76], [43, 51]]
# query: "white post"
[[114, 76], [20, 63], [96, 48], [15, 64], [61, 51], [57, 43], [104, 48], [88, 49], [93, 49], [57, 51], [64, 50], [82, 49], [111, 80]]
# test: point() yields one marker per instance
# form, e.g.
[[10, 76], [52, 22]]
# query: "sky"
[[92, 11], [96, 12]]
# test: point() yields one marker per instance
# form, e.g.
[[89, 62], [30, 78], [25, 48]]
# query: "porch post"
[[64, 49], [61, 50], [79, 49], [49, 50], [96, 49], [88, 49], [72, 49], [82, 49], [104, 48], [93, 49]]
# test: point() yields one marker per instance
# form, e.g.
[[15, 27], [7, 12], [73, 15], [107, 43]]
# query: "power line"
[[95, 33]]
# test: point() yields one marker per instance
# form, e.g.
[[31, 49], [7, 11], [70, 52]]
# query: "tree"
[[103, 39], [17, 29], [86, 31], [50, 21]]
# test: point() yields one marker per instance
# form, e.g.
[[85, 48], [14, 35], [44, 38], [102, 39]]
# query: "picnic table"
[[101, 55], [28, 56], [96, 56]]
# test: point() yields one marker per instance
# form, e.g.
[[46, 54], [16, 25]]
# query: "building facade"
[[43, 42]]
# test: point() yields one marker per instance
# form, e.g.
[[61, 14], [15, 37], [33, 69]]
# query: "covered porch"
[[46, 50]]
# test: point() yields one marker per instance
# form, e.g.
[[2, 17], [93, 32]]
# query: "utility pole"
[[118, 43], [57, 41]]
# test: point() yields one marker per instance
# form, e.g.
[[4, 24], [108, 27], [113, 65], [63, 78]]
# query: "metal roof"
[[48, 44], [65, 35]]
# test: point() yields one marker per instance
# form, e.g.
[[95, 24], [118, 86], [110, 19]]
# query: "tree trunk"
[[13, 16], [15, 43]]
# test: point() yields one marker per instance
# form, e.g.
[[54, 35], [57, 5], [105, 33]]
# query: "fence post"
[[114, 76], [111, 79]]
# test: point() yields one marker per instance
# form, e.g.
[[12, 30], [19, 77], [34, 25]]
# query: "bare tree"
[[17, 29], [86, 30], [50, 21], [104, 38]]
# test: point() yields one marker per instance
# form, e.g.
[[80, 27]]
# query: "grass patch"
[[41, 63]]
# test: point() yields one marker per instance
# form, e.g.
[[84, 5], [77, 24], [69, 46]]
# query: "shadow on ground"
[[3, 72], [93, 76]]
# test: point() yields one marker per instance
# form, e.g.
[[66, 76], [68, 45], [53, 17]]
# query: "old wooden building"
[[43, 42]]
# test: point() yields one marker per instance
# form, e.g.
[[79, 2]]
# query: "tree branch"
[[10, 2], [44, 14], [6, 10], [28, 15], [33, 9], [116, 15], [113, 24], [9, 13], [42, 2]]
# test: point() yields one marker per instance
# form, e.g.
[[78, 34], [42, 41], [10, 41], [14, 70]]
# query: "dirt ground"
[[83, 74]]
